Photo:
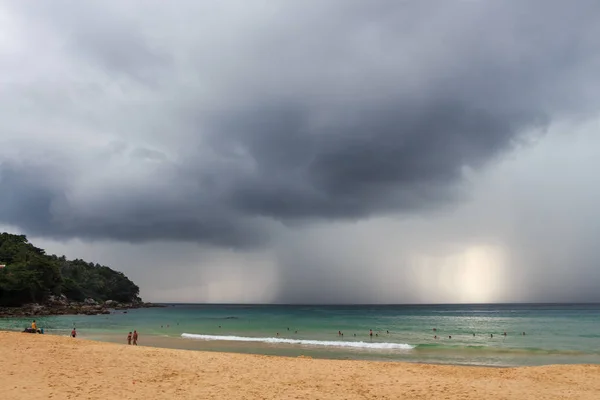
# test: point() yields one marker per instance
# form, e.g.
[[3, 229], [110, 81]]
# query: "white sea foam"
[[302, 342]]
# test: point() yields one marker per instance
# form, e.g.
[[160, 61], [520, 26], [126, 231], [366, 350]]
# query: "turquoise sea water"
[[554, 334]]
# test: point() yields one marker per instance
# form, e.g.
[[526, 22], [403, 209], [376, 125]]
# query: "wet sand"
[[53, 367]]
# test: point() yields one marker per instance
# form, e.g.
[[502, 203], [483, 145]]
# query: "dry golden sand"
[[51, 367]]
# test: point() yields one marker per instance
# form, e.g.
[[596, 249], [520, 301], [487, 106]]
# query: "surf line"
[[303, 342]]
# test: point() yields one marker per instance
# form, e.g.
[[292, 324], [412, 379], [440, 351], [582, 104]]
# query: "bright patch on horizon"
[[478, 278], [471, 276]]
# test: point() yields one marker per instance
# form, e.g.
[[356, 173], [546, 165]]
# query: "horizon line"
[[379, 304]]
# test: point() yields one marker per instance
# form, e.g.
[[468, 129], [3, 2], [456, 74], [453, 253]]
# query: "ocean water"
[[554, 333]]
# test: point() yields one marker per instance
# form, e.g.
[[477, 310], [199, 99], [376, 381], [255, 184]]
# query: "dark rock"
[[60, 305]]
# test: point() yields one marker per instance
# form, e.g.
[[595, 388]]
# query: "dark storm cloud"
[[293, 111], [26, 203], [36, 204], [384, 157]]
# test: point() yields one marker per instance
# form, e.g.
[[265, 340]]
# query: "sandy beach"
[[52, 367]]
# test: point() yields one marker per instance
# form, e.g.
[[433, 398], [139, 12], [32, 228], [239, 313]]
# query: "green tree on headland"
[[31, 276]]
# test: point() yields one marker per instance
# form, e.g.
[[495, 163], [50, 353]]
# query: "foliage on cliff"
[[31, 276]]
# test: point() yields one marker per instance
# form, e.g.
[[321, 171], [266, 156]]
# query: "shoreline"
[[425, 356], [76, 368]]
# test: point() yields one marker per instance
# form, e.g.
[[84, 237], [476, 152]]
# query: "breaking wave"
[[302, 342]]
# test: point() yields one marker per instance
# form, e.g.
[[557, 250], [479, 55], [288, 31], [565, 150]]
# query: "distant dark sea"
[[554, 333]]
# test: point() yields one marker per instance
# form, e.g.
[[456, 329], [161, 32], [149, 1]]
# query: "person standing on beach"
[[74, 333], [129, 338], [135, 338]]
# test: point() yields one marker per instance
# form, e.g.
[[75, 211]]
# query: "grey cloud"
[[106, 36], [148, 154], [140, 214], [26, 203], [291, 112], [393, 156]]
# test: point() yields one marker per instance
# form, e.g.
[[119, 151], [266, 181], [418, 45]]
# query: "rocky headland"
[[33, 283], [60, 305]]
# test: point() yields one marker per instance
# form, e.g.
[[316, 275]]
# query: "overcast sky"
[[309, 151]]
